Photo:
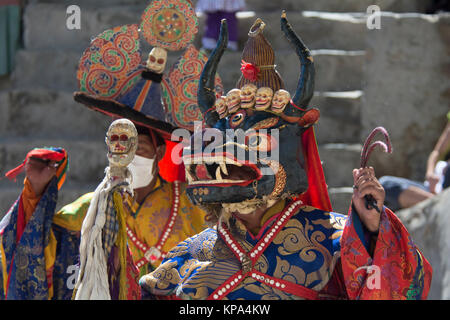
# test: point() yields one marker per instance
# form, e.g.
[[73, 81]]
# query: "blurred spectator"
[[403, 193], [9, 33], [215, 11]]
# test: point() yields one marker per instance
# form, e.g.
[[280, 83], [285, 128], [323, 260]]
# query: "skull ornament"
[[280, 100], [121, 140], [263, 98], [157, 59], [221, 107], [248, 93], [233, 100]]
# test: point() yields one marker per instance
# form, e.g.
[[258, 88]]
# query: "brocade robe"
[[40, 264], [315, 255], [146, 223]]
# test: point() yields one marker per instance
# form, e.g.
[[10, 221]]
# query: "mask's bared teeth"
[[189, 175], [238, 164], [223, 167], [218, 175]]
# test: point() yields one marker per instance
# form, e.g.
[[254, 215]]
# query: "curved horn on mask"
[[206, 96], [305, 87]]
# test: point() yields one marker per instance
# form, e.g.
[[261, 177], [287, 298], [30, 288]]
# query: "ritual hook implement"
[[367, 149]]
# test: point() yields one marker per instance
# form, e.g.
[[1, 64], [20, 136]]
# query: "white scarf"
[[92, 282]]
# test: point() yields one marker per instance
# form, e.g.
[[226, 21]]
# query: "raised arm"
[[442, 146]]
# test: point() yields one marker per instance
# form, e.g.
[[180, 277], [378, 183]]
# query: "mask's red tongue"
[[201, 172]]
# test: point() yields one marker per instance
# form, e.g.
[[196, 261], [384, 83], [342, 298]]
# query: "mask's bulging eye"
[[152, 58], [260, 141], [237, 119], [114, 138], [160, 61], [123, 137]]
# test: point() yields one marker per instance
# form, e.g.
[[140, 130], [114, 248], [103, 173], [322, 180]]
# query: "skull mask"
[[221, 107], [248, 93], [233, 100], [263, 98], [280, 100], [157, 59], [121, 139]]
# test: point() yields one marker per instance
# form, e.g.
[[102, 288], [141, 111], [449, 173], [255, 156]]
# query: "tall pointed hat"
[[258, 61]]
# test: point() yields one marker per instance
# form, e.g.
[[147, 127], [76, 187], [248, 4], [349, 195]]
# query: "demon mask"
[[254, 157]]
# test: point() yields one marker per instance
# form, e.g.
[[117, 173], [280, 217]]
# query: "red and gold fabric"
[[147, 221], [398, 269], [300, 252]]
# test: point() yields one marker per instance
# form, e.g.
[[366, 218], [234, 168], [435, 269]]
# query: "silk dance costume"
[[134, 92], [161, 103], [36, 250], [161, 221], [301, 248]]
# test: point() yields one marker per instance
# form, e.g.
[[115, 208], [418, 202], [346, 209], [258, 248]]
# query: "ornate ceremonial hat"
[[169, 24], [114, 79]]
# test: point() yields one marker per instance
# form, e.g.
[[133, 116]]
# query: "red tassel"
[[12, 174]]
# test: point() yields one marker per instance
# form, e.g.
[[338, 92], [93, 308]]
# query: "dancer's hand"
[[365, 183], [39, 172]]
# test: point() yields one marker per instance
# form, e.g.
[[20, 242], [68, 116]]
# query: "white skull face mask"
[[233, 100], [121, 140], [221, 107], [248, 93], [263, 98], [280, 100], [157, 59]]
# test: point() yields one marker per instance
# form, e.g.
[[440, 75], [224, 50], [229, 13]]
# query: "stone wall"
[[407, 88], [427, 222]]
